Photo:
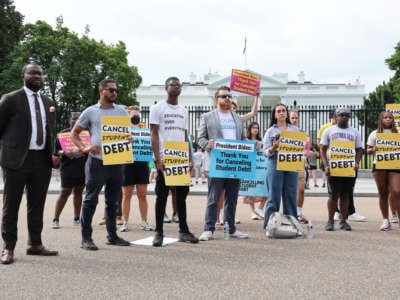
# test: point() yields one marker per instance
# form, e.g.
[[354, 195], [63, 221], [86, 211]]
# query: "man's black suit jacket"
[[16, 128]]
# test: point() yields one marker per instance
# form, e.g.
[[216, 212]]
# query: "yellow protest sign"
[[115, 144], [291, 151], [388, 151], [342, 158], [176, 161], [394, 108]]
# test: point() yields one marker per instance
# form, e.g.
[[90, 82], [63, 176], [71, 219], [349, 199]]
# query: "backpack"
[[282, 226]]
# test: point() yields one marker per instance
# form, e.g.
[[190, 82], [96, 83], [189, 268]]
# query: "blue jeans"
[[215, 188], [98, 175], [281, 184]]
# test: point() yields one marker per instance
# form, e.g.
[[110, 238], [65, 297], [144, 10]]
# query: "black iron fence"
[[310, 118]]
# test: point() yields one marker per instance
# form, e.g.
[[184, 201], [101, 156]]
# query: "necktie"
[[39, 124]]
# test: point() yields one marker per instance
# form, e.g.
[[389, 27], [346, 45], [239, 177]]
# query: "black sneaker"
[[329, 225], [158, 240], [117, 241], [188, 237], [89, 245], [344, 225]]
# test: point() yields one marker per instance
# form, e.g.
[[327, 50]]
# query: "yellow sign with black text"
[[291, 151], [388, 151], [342, 158], [176, 162]]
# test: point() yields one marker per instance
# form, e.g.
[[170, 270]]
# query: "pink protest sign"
[[245, 82], [66, 143]]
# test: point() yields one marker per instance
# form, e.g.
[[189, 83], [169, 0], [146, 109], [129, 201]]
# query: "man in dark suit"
[[27, 121]]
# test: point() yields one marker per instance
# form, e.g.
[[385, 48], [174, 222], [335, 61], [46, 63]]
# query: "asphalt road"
[[333, 265]]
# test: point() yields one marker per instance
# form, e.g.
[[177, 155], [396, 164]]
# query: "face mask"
[[135, 120]]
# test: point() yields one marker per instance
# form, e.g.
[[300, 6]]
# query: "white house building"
[[274, 89]]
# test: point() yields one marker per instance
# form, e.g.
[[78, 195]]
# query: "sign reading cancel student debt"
[[115, 144], [342, 158], [176, 161], [245, 82], [233, 159], [141, 144], [388, 151], [291, 151]]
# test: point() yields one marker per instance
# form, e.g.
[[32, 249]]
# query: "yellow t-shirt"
[[322, 129]]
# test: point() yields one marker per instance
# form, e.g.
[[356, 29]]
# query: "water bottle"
[[309, 230], [226, 230]]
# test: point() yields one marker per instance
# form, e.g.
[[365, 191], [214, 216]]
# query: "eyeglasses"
[[281, 111], [177, 85], [112, 90], [225, 96]]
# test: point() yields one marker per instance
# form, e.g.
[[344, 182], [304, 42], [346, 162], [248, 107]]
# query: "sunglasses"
[[112, 90], [225, 96]]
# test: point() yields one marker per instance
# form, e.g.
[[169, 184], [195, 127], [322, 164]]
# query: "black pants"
[[162, 192], [34, 176]]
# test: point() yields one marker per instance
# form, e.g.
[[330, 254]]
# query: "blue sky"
[[331, 41]]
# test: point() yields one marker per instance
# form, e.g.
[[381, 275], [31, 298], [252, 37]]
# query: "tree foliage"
[[73, 66], [393, 63]]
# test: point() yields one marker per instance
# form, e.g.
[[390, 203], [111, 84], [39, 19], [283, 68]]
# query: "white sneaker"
[[124, 227], [336, 217], [394, 218], [237, 221], [167, 219], [385, 225], [255, 216], [55, 224], [357, 217], [206, 235], [239, 235], [259, 212], [146, 226]]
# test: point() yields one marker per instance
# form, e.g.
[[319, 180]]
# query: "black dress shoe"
[[40, 250], [188, 237], [7, 256], [88, 245], [158, 240], [117, 241]]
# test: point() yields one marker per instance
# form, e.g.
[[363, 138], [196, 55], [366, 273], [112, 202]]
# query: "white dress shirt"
[[31, 101]]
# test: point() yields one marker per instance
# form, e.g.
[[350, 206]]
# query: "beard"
[[33, 86], [110, 100]]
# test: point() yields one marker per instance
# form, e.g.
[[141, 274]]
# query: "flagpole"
[[245, 52]]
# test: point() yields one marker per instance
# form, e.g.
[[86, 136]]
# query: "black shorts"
[[322, 167], [339, 185], [387, 170], [70, 182], [136, 173], [312, 167]]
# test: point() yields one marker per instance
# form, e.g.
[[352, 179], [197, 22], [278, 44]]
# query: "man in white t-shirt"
[[221, 123], [169, 122], [340, 187]]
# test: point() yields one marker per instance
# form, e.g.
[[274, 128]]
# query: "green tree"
[[73, 66], [393, 63], [10, 31]]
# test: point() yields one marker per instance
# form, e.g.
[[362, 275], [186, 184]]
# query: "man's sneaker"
[[158, 240], [302, 219], [124, 227], [206, 236], [147, 226], [344, 225], [394, 218], [239, 235], [117, 241], [55, 224], [88, 245], [255, 216], [357, 217], [175, 218], [77, 222], [188, 237], [237, 221], [167, 219], [330, 226], [336, 216], [103, 221], [119, 221], [385, 225], [259, 212]]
